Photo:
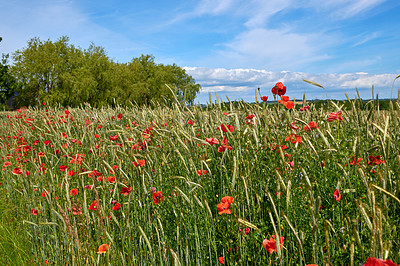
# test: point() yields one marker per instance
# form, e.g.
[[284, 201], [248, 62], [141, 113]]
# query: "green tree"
[[59, 73], [8, 83]]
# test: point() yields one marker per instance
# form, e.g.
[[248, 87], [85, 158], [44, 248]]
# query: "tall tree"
[[8, 83]]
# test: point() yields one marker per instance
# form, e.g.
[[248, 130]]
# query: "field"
[[198, 185]]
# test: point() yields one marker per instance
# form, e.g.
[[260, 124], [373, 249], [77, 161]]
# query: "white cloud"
[[366, 38]]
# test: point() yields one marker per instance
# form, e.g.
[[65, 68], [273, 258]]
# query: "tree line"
[[60, 73]]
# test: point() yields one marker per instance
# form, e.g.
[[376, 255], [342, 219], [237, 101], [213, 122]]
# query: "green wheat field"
[[201, 185]]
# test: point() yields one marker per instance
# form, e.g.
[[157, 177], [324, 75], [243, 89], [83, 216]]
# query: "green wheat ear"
[[316, 84]]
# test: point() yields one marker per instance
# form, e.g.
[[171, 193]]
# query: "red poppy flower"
[[111, 179], [279, 89], [139, 163], [27, 148], [94, 206], [190, 122], [17, 171], [293, 126], [225, 128], [224, 205], [35, 212], [270, 245], [336, 195], [63, 168], [5, 164], [116, 207], [293, 138], [353, 161], [76, 211], [126, 190], [89, 187], [311, 126], [221, 260], [264, 98], [333, 116], [119, 116], [283, 99], [114, 137], [158, 197], [212, 141], [74, 192], [289, 104], [222, 148], [47, 142], [250, 116], [96, 136], [201, 172], [372, 160], [102, 249], [70, 173], [379, 262]]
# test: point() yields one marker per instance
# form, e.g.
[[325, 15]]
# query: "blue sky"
[[231, 47]]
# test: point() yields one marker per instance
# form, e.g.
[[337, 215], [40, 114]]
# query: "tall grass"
[[278, 187]]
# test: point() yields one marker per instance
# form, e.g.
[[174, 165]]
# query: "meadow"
[[227, 183]]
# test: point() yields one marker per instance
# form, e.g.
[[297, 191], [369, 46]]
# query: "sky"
[[232, 47]]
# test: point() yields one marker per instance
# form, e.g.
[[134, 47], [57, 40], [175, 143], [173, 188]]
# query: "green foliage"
[[59, 73], [7, 82]]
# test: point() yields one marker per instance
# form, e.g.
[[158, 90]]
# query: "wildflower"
[[119, 116], [289, 104], [224, 205], [35, 212], [111, 179], [310, 126], [158, 197], [293, 138], [76, 211], [17, 171], [225, 128], [250, 116], [336, 195], [102, 249], [94, 206], [190, 122], [293, 126], [88, 187], [353, 161], [114, 137], [139, 163], [5, 164], [264, 98], [221, 260], [379, 262], [74, 192], [70, 173], [212, 141], [201, 172], [372, 160], [322, 164], [270, 245], [126, 191], [47, 142], [333, 116], [63, 168], [279, 89], [116, 207]]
